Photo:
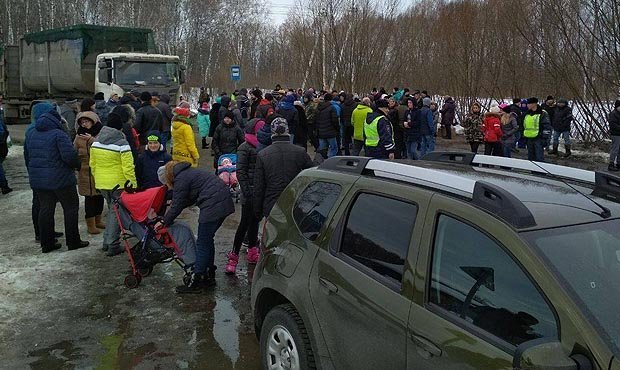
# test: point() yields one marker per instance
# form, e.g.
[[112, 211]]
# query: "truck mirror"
[[182, 75]]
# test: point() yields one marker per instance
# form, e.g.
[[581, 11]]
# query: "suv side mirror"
[[541, 355]]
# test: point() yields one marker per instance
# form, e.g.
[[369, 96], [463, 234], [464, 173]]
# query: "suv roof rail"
[[350, 164], [483, 194], [520, 164]]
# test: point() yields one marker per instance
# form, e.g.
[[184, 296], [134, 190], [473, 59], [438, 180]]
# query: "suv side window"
[[475, 278], [313, 206], [378, 233]]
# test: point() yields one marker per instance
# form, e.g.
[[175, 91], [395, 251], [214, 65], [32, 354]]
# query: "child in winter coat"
[[184, 149], [227, 171], [473, 127], [492, 129], [154, 156], [510, 127], [204, 123], [227, 138]]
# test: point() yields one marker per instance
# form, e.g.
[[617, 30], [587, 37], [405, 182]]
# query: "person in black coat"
[[227, 138], [301, 136], [193, 186], [149, 162], [248, 225], [448, 114], [148, 118], [327, 125], [561, 123], [164, 107], [276, 166], [614, 132], [348, 106]]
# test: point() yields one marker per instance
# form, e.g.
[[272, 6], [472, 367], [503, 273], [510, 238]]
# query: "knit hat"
[[382, 103], [494, 108], [550, 97], [426, 102], [40, 109], [505, 107], [279, 127], [115, 121], [99, 96], [145, 96], [532, 100], [161, 174], [125, 100], [257, 93], [229, 114], [154, 136], [269, 97], [184, 112], [184, 105]]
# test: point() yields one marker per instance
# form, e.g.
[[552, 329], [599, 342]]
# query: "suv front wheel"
[[284, 341]]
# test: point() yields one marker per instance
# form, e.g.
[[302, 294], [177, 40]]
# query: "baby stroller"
[[227, 171], [136, 213]]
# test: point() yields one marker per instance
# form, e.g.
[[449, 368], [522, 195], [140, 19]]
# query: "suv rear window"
[[313, 206], [378, 233]]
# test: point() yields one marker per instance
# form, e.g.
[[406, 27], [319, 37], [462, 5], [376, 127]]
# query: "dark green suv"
[[454, 262]]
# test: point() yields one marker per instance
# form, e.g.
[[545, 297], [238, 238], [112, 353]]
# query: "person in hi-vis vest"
[[378, 133]]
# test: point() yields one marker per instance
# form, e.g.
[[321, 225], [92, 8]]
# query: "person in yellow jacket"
[[358, 119], [111, 164], [184, 143]]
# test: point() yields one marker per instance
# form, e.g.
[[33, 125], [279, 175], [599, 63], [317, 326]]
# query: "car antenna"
[[606, 213]]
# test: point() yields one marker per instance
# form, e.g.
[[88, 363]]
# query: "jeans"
[[358, 145], [507, 150], [112, 232], [70, 203], [330, 143], [205, 246], [93, 205], [535, 149], [412, 150], [248, 225], [564, 134], [428, 145], [494, 149], [3, 182], [615, 149]]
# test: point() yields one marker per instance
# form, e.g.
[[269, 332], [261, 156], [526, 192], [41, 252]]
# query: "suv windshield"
[[587, 259], [145, 73]]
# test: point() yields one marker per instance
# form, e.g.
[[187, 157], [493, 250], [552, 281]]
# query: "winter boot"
[[92, 229], [99, 224], [555, 149], [6, 190], [47, 249], [233, 260], [612, 168], [114, 251], [253, 254], [58, 234], [568, 152], [81, 244], [204, 143], [194, 285]]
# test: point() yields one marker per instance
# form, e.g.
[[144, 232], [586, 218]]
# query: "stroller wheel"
[[132, 281], [145, 272]]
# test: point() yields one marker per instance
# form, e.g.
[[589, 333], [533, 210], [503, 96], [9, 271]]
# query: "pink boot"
[[231, 266], [253, 254]]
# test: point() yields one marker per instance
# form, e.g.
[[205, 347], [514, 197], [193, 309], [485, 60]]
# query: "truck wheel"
[[284, 341]]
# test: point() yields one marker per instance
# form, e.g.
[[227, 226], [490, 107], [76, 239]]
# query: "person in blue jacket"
[[148, 162], [51, 160]]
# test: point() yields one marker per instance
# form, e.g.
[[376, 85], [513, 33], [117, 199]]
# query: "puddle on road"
[[56, 356], [226, 329]]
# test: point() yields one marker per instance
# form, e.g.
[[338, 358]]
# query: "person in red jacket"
[[492, 129]]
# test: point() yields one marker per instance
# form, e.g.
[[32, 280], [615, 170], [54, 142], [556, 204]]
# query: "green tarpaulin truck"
[[80, 60]]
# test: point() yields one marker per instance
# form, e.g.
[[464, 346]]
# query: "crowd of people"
[[95, 148]]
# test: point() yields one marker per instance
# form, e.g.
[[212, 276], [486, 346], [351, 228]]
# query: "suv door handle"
[[331, 287], [426, 345]]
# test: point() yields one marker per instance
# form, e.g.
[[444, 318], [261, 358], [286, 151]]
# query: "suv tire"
[[284, 341]]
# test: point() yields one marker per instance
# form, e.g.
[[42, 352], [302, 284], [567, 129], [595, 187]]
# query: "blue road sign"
[[235, 73]]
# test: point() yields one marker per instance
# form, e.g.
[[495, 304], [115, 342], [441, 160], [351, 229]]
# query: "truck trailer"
[[78, 61]]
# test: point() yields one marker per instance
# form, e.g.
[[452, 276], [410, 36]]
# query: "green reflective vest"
[[531, 126], [371, 132]]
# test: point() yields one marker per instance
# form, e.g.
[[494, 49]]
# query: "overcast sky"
[[279, 9]]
